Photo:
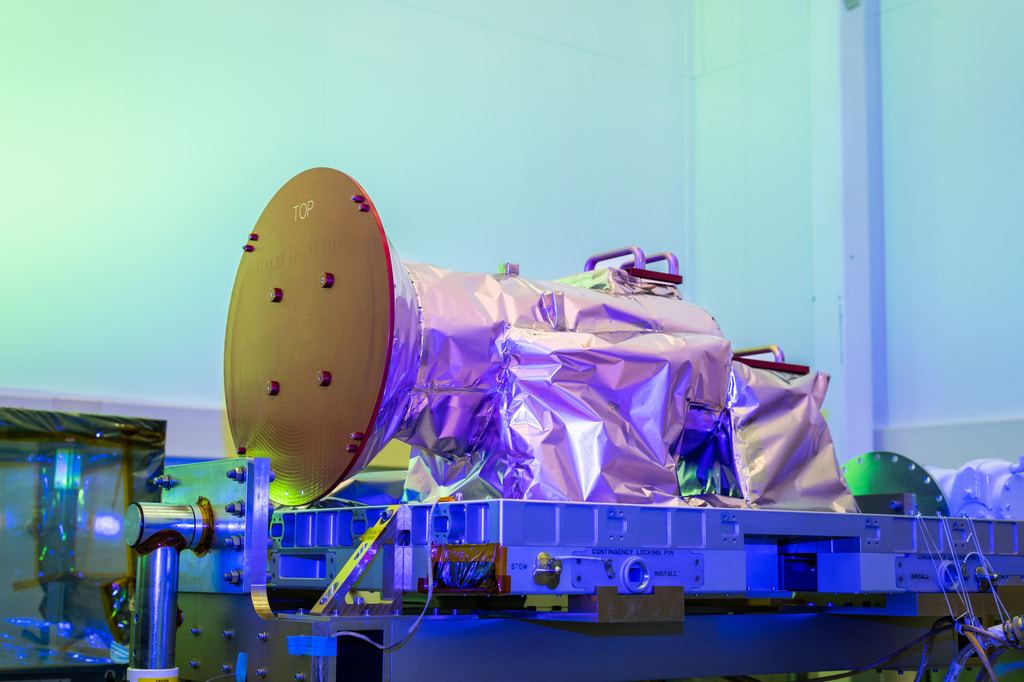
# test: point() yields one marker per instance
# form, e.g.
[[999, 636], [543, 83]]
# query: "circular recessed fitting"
[[309, 228]]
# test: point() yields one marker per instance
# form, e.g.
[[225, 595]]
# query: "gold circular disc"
[[313, 300]]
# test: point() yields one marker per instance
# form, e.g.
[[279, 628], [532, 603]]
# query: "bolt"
[[234, 577], [262, 636], [299, 677], [272, 475], [234, 542], [323, 378], [253, 236], [262, 672], [356, 435], [273, 388], [358, 601], [352, 448], [195, 631], [248, 247], [237, 474], [327, 280], [165, 482], [236, 508], [225, 667], [363, 208], [358, 198], [193, 664], [240, 450], [227, 634], [275, 295]]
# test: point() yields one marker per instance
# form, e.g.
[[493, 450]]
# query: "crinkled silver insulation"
[[600, 388]]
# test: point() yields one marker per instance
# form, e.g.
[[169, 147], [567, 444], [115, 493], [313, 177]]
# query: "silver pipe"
[[143, 520], [156, 610]]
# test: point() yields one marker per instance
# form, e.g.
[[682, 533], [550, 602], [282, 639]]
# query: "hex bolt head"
[[194, 663], [236, 508], [225, 667], [357, 435], [262, 672], [364, 208], [240, 450], [323, 378], [195, 631], [227, 634], [233, 576], [165, 482], [237, 474], [262, 636], [275, 295], [358, 198], [326, 280], [248, 248], [253, 237], [352, 448], [273, 388]]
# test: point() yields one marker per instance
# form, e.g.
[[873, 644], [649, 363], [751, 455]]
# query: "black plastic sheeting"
[[66, 575]]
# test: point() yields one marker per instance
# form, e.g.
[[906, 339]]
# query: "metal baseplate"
[[588, 591], [564, 548]]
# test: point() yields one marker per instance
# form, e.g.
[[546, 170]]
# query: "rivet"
[[326, 280], [262, 636], [363, 208], [225, 667], [323, 378], [357, 435], [273, 388], [248, 247], [275, 295], [193, 664], [262, 672], [240, 450], [195, 631], [227, 634], [358, 198], [253, 237], [352, 448]]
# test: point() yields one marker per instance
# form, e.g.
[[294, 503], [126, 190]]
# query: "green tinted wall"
[[139, 143]]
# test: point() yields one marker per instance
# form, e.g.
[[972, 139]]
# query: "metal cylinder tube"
[[156, 610], [180, 523]]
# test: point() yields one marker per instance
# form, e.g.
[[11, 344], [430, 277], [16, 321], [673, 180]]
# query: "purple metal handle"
[[638, 257], [673, 262], [761, 350]]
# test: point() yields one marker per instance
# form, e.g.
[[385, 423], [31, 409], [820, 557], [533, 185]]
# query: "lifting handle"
[[638, 257], [673, 262]]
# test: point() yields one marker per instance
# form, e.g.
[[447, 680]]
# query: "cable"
[[220, 676], [430, 594], [980, 651], [930, 546], [930, 635], [983, 674]]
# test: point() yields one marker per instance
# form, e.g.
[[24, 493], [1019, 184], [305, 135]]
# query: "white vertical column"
[[847, 231]]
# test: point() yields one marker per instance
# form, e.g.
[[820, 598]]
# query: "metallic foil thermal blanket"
[[602, 387]]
